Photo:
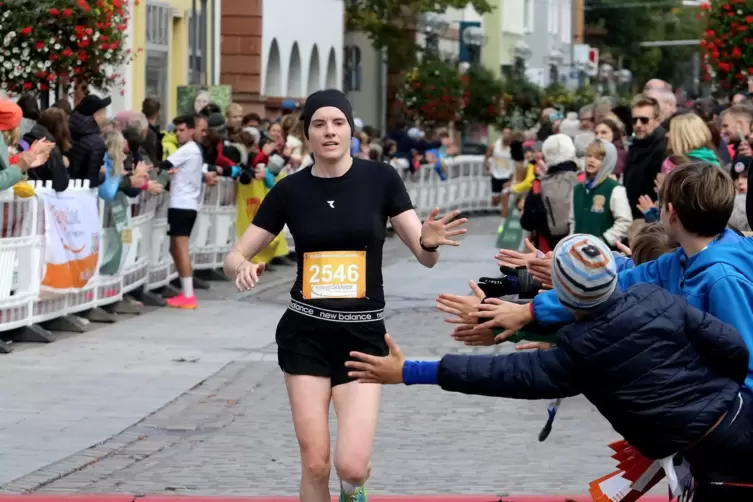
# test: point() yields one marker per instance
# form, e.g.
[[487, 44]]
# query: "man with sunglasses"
[[647, 152]]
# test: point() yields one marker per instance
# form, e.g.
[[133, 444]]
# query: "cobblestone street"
[[194, 403]]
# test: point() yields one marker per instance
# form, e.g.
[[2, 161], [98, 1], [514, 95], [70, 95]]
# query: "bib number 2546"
[[334, 274]]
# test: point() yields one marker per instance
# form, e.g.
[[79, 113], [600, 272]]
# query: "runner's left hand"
[[435, 233], [374, 369]]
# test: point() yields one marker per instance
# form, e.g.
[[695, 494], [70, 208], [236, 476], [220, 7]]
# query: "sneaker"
[[358, 496], [182, 302], [498, 286]]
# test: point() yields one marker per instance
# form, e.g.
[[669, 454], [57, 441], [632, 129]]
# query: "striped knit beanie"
[[584, 273]]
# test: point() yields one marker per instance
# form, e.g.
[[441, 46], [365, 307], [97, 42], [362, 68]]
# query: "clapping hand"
[[36, 155], [437, 232], [374, 369]]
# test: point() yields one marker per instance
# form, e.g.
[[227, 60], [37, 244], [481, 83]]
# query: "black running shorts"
[[311, 346], [180, 222]]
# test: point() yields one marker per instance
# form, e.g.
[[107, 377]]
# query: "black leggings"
[[726, 456]]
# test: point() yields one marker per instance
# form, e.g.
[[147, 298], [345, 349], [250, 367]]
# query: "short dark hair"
[[210, 109], [702, 195], [650, 242], [251, 117], [644, 100], [187, 120], [151, 107]]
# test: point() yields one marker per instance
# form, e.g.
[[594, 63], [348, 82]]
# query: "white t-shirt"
[[185, 185], [500, 164]]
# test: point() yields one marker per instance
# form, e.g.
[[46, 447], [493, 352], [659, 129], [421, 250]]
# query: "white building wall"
[[449, 46], [302, 46], [513, 16]]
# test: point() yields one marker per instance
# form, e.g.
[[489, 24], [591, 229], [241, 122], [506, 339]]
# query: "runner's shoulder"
[[376, 171]]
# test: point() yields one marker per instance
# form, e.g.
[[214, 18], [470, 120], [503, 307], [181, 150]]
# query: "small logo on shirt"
[[331, 203]]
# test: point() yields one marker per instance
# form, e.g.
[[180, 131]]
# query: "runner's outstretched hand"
[[375, 369], [247, 275], [437, 232]]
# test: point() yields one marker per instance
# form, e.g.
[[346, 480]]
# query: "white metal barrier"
[[145, 257]]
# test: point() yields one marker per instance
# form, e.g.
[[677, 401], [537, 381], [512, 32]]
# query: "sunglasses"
[[642, 120]]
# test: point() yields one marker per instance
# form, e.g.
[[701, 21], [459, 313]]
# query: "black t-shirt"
[[348, 213]]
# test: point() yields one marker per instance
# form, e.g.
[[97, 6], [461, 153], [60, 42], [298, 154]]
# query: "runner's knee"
[[353, 466], [315, 462]]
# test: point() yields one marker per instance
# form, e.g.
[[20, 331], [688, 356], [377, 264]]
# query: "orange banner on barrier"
[[72, 242]]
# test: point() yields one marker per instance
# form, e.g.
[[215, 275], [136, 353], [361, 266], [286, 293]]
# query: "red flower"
[[749, 19], [39, 45], [25, 31], [28, 85], [44, 87], [67, 12], [53, 11], [67, 52]]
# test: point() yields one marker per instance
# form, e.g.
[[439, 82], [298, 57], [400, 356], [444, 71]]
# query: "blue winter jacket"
[[659, 370], [718, 280]]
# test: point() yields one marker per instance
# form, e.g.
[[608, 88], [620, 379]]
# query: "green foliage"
[[521, 104], [482, 96], [627, 26], [727, 42], [432, 92], [385, 22]]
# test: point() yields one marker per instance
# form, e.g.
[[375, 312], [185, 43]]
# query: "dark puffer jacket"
[[87, 155], [54, 169], [660, 371]]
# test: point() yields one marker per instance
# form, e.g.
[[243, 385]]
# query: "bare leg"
[[309, 398], [357, 409]]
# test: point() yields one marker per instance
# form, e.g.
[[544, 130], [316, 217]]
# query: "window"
[[194, 75], [158, 18], [566, 30], [528, 16]]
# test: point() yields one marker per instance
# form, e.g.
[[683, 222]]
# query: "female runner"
[[337, 212]]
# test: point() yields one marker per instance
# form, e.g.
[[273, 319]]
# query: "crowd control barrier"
[[144, 261]]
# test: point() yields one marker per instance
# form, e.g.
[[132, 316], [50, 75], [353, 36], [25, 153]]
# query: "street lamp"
[[556, 58], [522, 53], [474, 39], [434, 25]]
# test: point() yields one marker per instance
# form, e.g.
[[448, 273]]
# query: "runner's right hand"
[[247, 275]]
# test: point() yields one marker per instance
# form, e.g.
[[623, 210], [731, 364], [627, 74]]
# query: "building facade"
[[159, 36], [550, 41]]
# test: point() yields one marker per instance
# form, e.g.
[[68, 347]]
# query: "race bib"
[[334, 274]]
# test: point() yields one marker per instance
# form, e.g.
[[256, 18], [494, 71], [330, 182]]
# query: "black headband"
[[327, 97]]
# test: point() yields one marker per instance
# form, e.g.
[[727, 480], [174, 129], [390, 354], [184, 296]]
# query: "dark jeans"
[[726, 456]]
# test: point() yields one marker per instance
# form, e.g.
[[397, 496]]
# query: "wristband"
[[425, 248], [145, 186]]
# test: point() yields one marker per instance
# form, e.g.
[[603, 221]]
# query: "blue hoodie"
[[718, 280]]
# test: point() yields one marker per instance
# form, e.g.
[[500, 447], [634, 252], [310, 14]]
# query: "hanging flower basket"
[[432, 92], [482, 96], [728, 42], [45, 41]]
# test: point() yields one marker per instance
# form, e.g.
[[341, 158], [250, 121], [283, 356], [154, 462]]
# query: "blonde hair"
[[116, 143], [233, 107], [688, 132], [12, 137], [596, 148]]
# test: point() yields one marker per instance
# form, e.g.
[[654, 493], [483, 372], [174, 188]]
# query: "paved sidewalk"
[[215, 413]]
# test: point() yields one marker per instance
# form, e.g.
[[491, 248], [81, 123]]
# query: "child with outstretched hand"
[[667, 376]]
